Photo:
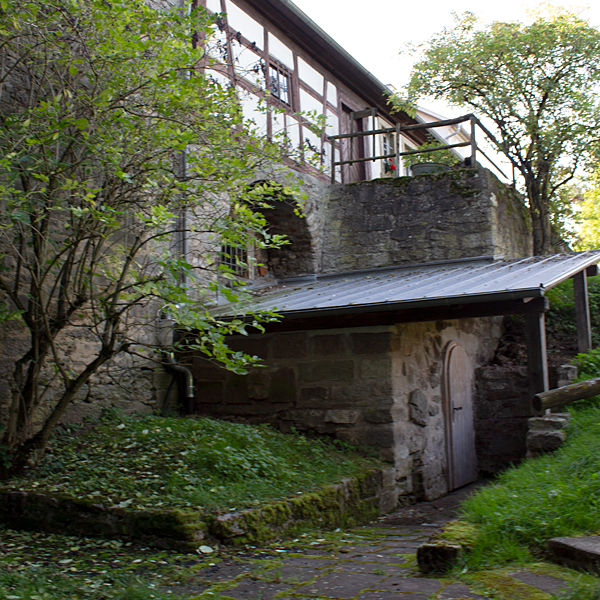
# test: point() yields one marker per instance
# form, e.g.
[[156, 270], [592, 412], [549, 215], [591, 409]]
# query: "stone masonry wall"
[[501, 412], [375, 386], [450, 215]]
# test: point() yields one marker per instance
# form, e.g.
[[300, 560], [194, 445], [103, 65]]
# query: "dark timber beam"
[[412, 315], [535, 333], [582, 312]]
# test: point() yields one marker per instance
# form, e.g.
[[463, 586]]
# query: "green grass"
[[551, 496], [174, 463]]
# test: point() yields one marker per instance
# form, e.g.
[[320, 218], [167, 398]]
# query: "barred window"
[[236, 259]]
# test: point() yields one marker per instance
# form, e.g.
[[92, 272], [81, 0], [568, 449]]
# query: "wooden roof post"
[[535, 333], [582, 312]]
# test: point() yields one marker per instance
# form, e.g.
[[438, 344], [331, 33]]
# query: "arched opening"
[[458, 417], [284, 218]]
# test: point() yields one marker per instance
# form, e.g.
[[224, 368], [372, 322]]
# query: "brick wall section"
[[501, 412], [455, 214]]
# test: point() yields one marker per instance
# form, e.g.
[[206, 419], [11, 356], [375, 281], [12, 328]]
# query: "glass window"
[[279, 83], [236, 259]]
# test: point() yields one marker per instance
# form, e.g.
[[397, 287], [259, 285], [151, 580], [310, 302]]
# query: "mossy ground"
[[189, 464]]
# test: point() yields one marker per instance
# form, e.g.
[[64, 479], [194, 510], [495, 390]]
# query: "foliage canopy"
[[537, 83], [116, 146]]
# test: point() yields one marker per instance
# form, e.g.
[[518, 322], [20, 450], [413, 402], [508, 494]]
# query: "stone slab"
[[255, 590], [316, 563], [225, 571], [376, 569], [545, 583], [375, 595], [389, 559], [409, 584], [292, 574], [576, 552], [459, 591], [340, 585]]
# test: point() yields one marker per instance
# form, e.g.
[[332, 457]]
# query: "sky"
[[374, 31]]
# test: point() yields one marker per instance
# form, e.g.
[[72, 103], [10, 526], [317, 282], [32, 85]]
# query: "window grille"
[[236, 259]]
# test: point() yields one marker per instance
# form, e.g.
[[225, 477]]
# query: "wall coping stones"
[[353, 501]]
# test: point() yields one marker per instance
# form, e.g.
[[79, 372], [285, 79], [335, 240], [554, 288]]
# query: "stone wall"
[[368, 386], [502, 409], [450, 215]]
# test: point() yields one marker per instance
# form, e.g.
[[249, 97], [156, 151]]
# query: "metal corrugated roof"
[[432, 284]]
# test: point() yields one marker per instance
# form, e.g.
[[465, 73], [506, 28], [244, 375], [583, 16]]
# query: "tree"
[[101, 104], [537, 83]]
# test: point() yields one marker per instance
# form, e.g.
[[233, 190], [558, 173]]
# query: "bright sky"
[[374, 31]]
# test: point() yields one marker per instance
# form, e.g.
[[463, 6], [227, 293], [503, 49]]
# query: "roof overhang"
[[442, 290]]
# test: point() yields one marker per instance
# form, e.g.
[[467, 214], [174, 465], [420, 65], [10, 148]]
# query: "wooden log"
[[567, 394]]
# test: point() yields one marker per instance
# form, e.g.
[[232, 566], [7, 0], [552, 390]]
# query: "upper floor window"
[[280, 83]]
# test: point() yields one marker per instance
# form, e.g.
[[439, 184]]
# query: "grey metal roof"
[[430, 284]]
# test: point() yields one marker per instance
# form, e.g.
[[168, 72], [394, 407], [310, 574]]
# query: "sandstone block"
[[551, 422], [371, 343], [544, 441], [328, 345], [291, 345], [334, 370], [343, 417]]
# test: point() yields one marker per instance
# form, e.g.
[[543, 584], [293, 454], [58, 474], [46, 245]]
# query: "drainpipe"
[[167, 335], [185, 377]]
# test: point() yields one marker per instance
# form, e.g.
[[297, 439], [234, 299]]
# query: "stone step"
[[581, 553]]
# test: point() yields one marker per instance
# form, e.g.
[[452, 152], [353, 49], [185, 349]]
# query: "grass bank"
[[551, 496], [158, 462]]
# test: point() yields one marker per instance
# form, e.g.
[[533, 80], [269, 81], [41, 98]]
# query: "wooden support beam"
[[535, 334], [582, 312], [410, 315]]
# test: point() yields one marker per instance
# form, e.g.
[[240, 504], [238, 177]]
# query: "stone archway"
[[297, 257]]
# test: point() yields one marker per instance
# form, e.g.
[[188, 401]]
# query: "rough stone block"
[[374, 392], [378, 415], [313, 397], [371, 343], [419, 408], [551, 422], [338, 370], [283, 385], [345, 417], [544, 441], [438, 558], [328, 345], [581, 553], [290, 345], [376, 368], [209, 392], [258, 385], [254, 346]]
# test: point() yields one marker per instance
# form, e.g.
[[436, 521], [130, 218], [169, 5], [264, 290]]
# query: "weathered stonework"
[[379, 387], [502, 409], [450, 215]]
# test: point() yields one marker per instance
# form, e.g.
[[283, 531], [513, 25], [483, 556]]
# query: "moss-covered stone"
[[352, 502]]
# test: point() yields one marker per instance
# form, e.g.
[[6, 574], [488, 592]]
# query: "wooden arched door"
[[458, 415]]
